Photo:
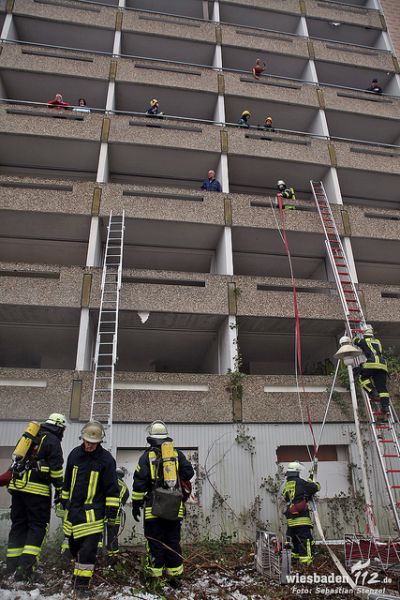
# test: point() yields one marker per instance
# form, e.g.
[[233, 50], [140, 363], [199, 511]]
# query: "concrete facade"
[[210, 268]]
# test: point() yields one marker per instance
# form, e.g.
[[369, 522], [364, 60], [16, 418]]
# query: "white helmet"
[[157, 430], [344, 340], [368, 330], [281, 183], [57, 419], [294, 467], [93, 432]]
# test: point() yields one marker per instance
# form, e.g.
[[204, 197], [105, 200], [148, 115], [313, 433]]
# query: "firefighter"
[[90, 496], [30, 490], [163, 536], [372, 374], [297, 492], [114, 525], [244, 119], [154, 109], [287, 193]]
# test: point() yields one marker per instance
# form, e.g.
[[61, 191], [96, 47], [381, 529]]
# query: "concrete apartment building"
[[210, 268]]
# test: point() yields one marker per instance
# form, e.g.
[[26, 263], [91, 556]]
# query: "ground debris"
[[225, 572]]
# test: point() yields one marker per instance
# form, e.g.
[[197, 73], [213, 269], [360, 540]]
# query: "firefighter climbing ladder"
[[384, 434], [105, 355]]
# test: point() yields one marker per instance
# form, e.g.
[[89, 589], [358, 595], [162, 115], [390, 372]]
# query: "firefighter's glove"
[[311, 476], [136, 506]]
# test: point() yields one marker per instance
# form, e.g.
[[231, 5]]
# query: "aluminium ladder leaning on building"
[[105, 355], [384, 434]]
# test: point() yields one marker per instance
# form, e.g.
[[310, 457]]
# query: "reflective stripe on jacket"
[[296, 490], [91, 491], [372, 349]]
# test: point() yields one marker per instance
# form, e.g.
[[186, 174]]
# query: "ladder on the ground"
[[384, 434], [105, 355]]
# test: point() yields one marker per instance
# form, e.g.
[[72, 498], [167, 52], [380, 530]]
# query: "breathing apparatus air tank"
[[169, 464], [25, 442]]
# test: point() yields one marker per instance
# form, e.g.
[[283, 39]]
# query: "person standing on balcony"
[[211, 184], [244, 119], [286, 193], [154, 109], [258, 68], [375, 87], [82, 107], [268, 124], [58, 103]]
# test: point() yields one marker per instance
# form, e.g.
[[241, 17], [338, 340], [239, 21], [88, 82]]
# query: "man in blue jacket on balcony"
[[211, 184]]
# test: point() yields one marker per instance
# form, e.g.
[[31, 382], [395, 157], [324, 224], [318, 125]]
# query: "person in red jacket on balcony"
[[258, 68], [58, 103]]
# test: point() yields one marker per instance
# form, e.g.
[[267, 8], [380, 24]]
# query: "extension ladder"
[[384, 434], [105, 355]]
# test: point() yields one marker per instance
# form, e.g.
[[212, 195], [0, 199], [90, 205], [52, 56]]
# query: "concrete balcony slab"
[[94, 15], [264, 41], [361, 102], [346, 14], [368, 157], [270, 88], [352, 55], [168, 25]]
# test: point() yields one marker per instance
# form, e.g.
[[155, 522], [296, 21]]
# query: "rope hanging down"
[[299, 367]]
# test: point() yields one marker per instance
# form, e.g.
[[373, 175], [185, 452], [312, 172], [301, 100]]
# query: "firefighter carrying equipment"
[[93, 432], [167, 492], [169, 464], [90, 493], [25, 442]]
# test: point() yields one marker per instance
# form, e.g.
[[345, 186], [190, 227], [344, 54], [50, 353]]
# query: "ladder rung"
[[387, 441], [392, 470], [395, 487], [390, 456]]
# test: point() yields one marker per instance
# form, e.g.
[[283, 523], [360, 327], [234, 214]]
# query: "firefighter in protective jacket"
[[163, 536], [31, 497], [113, 525], [297, 492], [90, 496], [373, 373]]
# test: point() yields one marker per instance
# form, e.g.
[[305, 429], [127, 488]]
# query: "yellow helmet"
[[246, 113], [368, 330], [268, 119], [294, 467], [93, 432], [154, 102]]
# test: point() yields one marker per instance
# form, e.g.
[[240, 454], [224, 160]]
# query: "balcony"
[[382, 304], [162, 151], [360, 102], [369, 188], [40, 285], [370, 58], [377, 259], [271, 399], [279, 64], [185, 8], [282, 146], [36, 388], [162, 25], [341, 74], [43, 337], [184, 398], [35, 226], [86, 27], [281, 15], [37, 74], [369, 157], [163, 204], [258, 249], [259, 40], [266, 343], [352, 11], [169, 291], [49, 143], [169, 245], [150, 76], [368, 128], [341, 32], [163, 47], [270, 89]]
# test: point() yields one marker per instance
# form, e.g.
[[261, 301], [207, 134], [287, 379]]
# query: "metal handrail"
[[167, 117]]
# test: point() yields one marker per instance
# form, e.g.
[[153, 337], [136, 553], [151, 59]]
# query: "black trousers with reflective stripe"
[[300, 536], [161, 533], [30, 516], [379, 379], [84, 551]]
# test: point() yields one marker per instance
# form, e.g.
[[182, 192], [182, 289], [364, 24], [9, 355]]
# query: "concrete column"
[[206, 15], [85, 343], [222, 262], [215, 13], [9, 31], [102, 167], [95, 252], [227, 346]]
